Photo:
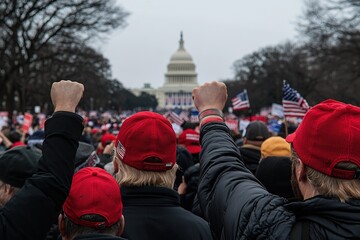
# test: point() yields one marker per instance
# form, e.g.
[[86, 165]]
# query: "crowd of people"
[[140, 178]]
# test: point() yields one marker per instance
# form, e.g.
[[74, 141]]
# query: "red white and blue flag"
[[194, 116], [175, 118], [184, 115], [241, 101], [293, 103], [120, 150]]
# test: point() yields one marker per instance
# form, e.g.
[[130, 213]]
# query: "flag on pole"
[[184, 115], [293, 103], [28, 119], [175, 118], [194, 115], [241, 101]]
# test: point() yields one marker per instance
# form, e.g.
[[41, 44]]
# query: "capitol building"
[[180, 79]]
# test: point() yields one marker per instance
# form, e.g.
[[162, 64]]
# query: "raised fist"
[[210, 95], [66, 95]]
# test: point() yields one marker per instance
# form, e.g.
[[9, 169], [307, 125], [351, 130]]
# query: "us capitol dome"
[[180, 79]]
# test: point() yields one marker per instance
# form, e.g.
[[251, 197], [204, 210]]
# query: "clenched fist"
[[210, 95], [66, 95]]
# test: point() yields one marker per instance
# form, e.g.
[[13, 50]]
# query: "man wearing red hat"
[[145, 167], [189, 138], [325, 175], [106, 139], [93, 208]]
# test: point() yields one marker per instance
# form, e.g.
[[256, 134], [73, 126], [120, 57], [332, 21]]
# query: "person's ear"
[[121, 226], [300, 172], [116, 166], [244, 140], [9, 190], [61, 225]]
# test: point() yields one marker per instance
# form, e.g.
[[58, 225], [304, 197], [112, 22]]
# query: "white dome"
[[180, 80], [181, 54]]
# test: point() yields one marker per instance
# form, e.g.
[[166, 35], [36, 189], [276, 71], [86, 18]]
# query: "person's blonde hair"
[[129, 176], [328, 186]]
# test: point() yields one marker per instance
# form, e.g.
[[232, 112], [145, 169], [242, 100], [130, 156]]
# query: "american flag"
[[293, 103], [120, 150], [241, 101], [176, 118], [184, 115], [194, 116]]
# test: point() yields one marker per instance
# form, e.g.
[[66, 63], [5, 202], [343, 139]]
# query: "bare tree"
[[331, 30], [263, 72], [29, 28], [325, 64]]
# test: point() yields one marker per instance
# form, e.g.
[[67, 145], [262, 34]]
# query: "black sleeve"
[[233, 201], [30, 213]]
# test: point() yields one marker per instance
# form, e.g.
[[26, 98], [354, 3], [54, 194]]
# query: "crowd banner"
[[28, 119]]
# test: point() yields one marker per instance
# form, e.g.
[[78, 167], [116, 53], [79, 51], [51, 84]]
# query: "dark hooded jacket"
[[237, 206], [275, 174], [155, 213], [97, 237], [191, 177], [30, 212], [251, 156]]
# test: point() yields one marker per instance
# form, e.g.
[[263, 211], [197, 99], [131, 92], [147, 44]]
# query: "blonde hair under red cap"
[[328, 135]]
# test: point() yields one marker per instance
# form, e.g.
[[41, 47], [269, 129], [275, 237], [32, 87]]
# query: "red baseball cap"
[[107, 138], [190, 139], [329, 134], [94, 191], [95, 130], [147, 141]]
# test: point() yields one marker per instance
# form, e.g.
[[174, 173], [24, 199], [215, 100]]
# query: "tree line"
[[43, 41], [323, 63]]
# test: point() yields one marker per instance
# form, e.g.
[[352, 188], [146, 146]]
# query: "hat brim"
[[193, 149], [290, 138]]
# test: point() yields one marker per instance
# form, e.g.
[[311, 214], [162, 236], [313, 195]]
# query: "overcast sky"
[[216, 33]]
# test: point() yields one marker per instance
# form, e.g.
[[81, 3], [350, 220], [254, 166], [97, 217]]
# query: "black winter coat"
[[97, 236], [155, 213], [251, 156], [30, 213], [238, 206]]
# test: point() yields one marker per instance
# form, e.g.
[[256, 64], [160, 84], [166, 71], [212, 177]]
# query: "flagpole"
[[286, 127], [250, 112]]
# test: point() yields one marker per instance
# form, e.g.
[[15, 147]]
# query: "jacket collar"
[[149, 196]]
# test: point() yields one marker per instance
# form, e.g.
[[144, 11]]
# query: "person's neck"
[[308, 191]]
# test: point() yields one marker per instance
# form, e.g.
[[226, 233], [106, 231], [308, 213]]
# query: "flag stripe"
[[293, 103], [241, 101], [120, 150], [176, 118]]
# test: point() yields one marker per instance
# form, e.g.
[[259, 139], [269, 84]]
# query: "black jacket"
[[251, 156], [328, 217], [238, 206], [155, 213], [30, 213], [191, 177], [275, 174], [98, 237]]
